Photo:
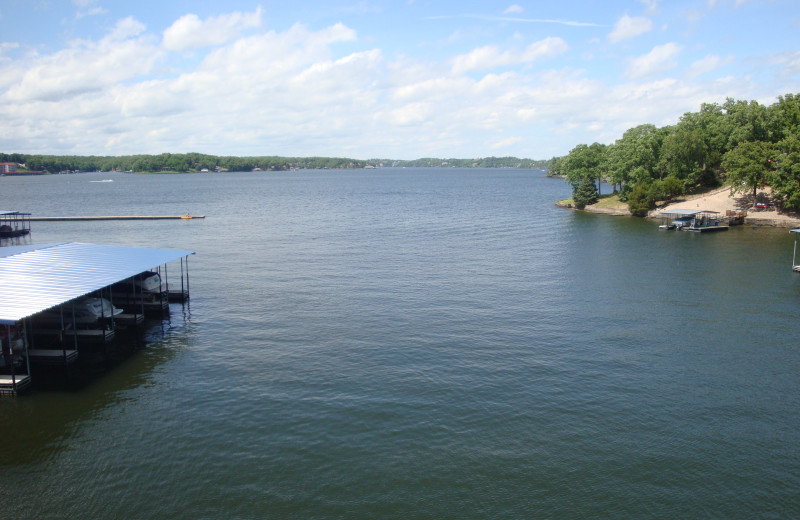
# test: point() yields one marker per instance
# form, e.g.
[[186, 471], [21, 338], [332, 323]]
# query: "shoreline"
[[720, 200]]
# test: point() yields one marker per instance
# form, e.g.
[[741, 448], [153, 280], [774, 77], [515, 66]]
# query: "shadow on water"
[[62, 398]]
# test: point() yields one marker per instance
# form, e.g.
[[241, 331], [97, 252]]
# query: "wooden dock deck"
[[129, 319], [95, 336], [52, 356], [8, 386]]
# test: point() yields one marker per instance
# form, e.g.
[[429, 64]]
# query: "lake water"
[[412, 343]]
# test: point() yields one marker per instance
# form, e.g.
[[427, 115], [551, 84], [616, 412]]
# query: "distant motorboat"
[[104, 180]]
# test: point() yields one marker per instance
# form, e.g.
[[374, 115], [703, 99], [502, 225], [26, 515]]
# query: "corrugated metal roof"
[[36, 278], [687, 212]]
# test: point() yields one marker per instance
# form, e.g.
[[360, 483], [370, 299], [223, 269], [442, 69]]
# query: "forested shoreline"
[[741, 143], [196, 162]]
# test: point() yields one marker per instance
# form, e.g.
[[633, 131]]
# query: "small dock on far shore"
[[697, 221], [119, 217]]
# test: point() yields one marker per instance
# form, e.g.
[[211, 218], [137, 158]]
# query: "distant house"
[[8, 167]]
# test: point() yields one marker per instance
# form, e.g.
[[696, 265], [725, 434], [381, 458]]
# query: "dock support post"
[[24, 337], [8, 358], [182, 289], [187, 277]]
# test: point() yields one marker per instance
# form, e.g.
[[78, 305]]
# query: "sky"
[[385, 79]]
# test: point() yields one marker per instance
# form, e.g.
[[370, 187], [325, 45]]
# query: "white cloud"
[[658, 60], [126, 28], [505, 143], [789, 62], [87, 66], [707, 64], [651, 6], [630, 27], [491, 56], [5, 47], [513, 9], [298, 92], [190, 32], [87, 8]]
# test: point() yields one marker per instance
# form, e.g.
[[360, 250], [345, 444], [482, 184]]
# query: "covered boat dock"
[[40, 278], [698, 221], [14, 224]]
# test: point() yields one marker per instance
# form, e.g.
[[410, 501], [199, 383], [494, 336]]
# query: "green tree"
[[682, 156], [640, 199], [673, 187], [584, 162], [635, 155], [749, 166], [714, 127], [785, 179], [784, 117], [584, 193], [749, 121]]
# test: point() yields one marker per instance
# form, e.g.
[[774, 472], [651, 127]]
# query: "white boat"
[[147, 282], [88, 310], [150, 282]]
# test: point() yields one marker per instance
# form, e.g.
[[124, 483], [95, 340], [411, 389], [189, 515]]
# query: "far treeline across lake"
[[742, 143], [197, 162]]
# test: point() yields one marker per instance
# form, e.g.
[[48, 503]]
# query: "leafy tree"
[[584, 162], [683, 154], [714, 128], [640, 199], [785, 179], [749, 166], [584, 193], [673, 187], [784, 117], [635, 155], [555, 166], [749, 121]]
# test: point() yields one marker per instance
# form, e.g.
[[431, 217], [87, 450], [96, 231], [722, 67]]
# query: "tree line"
[[174, 162], [741, 143], [195, 162], [482, 162]]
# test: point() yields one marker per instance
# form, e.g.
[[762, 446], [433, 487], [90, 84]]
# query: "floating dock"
[[14, 224], [118, 217], [696, 221]]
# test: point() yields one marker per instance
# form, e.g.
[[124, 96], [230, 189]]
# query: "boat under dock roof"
[[37, 278]]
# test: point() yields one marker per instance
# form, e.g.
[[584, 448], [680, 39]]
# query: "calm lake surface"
[[412, 343]]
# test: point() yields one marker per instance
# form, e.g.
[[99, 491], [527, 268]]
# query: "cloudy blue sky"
[[376, 78]]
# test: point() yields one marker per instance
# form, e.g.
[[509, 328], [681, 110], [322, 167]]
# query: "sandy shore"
[[722, 200]]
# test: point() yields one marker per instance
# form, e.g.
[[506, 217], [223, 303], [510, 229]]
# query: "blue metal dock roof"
[[36, 278]]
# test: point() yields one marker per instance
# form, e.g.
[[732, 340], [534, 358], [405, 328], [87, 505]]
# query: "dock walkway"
[[118, 217]]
